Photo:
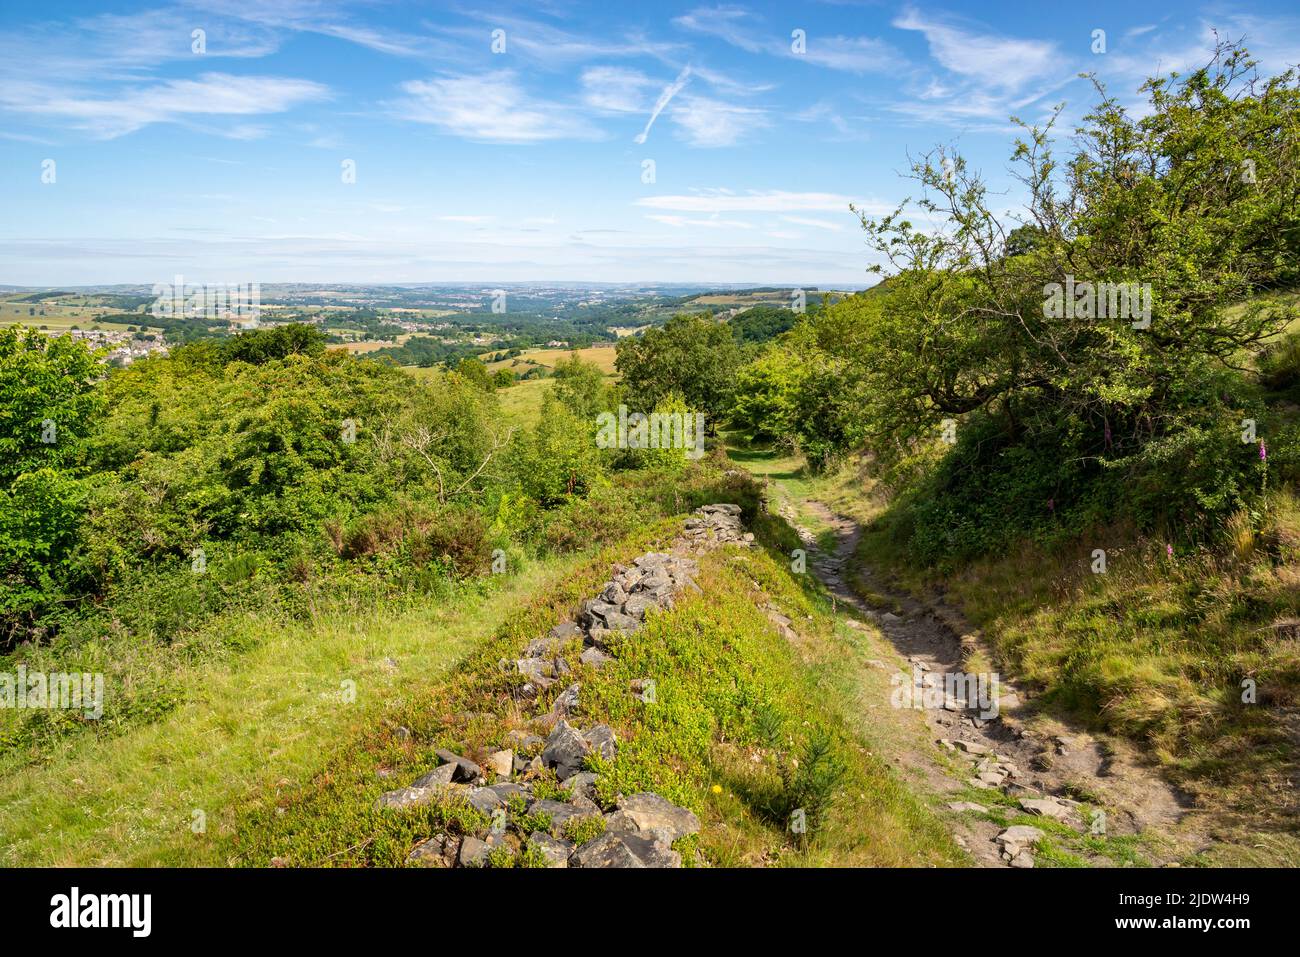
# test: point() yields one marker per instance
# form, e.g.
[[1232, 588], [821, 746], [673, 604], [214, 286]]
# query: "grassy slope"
[[734, 700], [601, 356], [265, 717], [1154, 650]]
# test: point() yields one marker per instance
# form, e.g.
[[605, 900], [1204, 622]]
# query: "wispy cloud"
[[815, 223], [616, 89], [745, 30], [665, 97], [983, 77], [323, 17], [211, 94], [705, 122], [1003, 62], [683, 222], [490, 108]]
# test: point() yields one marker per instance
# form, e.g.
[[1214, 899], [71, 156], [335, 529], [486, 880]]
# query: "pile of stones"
[[715, 525], [640, 829], [993, 771]]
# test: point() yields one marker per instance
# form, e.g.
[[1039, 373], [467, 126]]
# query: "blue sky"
[[480, 165]]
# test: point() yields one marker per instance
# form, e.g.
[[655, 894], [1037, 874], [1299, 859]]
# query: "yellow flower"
[[717, 789]]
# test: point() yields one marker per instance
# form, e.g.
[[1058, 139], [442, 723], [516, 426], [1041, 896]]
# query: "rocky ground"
[[1041, 764], [514, 788]]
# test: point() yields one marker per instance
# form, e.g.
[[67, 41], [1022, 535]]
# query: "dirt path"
[[1095, 786]]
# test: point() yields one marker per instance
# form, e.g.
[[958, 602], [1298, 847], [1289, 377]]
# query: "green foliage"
[[557, 460], [264, 345], [1279, 365], [692, 357], [801, 396], [580, 830], [473, 371], [1065, 416], [47, 401], [47, 407], [581, 386], [761, 323]]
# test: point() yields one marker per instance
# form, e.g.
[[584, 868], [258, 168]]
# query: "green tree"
[[265, 345], [581, 386], [472, 370], [692, 357], [47, 401]]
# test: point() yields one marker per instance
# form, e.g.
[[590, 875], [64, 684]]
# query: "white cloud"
[[685, 221], [324, 17], [986, 77], [665, 97], [615, 89], [815, 223], [740, 28], [998, 61], [706, 122], [212, 94], [489, 108]]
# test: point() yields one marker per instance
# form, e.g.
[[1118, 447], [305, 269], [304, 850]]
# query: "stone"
[[1019, 835], [540, 671], [466, 769], [566, 703], [508, 789], [601, 609], [501, 763], [647, 812], [558, 812], [1047, 807], [602, 740], [553, 849], [973, 747], [565, 750], [565, 631], [441, 850], [582, 784], [961, 806], [484, 799], [594, 658], [473, 852], [622, 849], [547, 647], [656, 580], [617, 621], [440, 776], [614, 594], [406, 797], [637, 606], [599, 636]]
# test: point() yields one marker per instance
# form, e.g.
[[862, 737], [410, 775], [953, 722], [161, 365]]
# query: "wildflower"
[[717, 789]]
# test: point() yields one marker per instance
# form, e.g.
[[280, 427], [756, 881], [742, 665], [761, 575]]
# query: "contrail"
[[671, 90]]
